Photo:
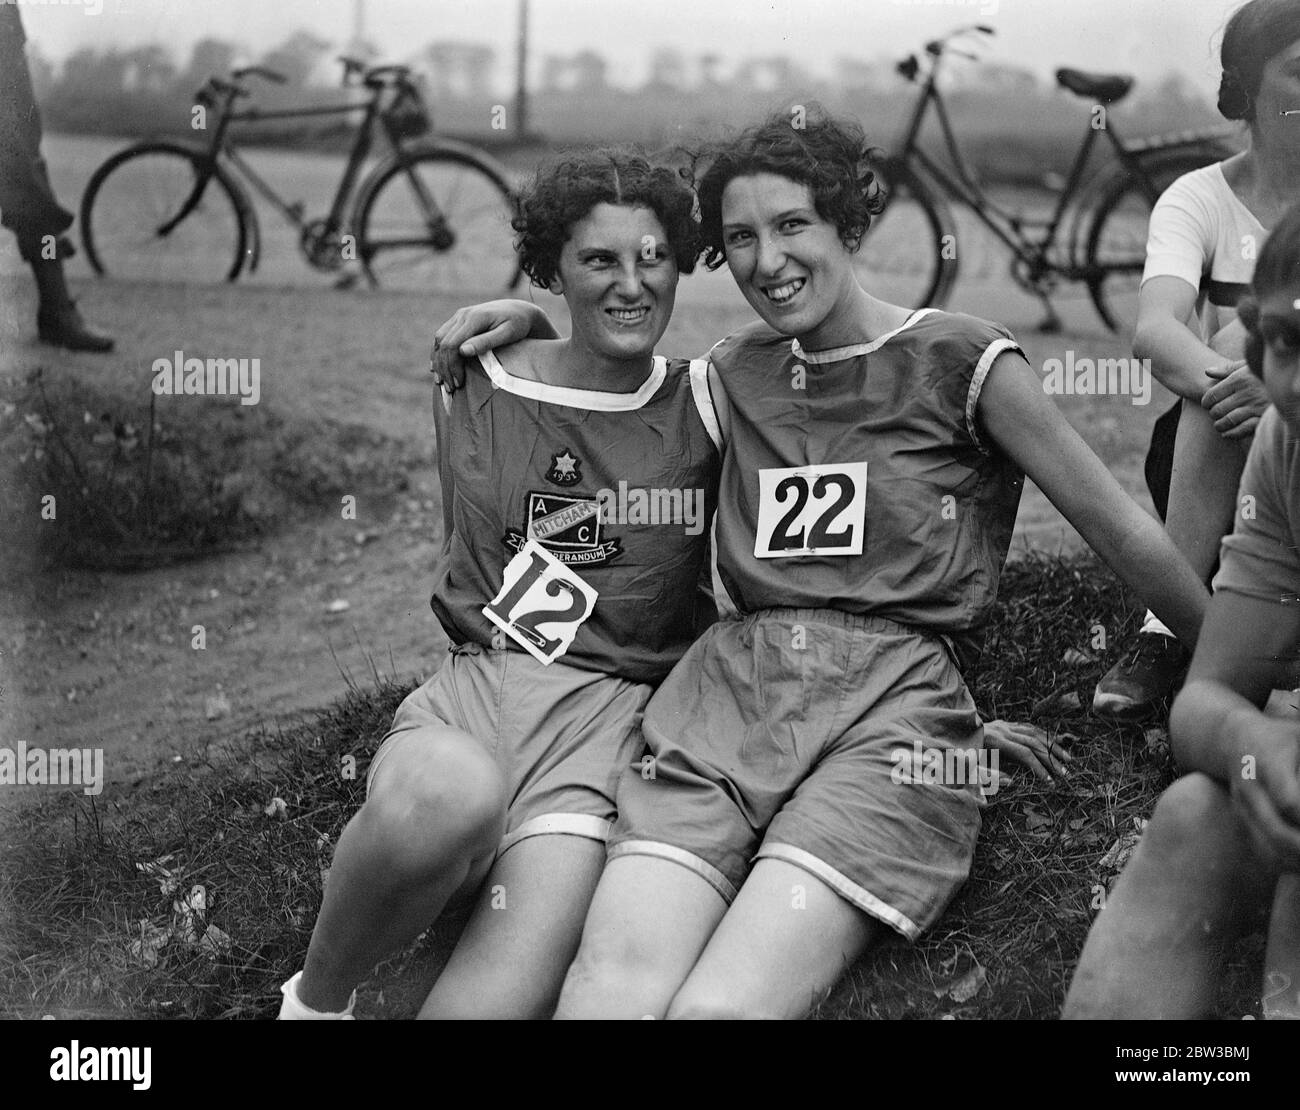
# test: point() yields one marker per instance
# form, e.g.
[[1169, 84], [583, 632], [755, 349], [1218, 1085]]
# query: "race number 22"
[[541, 603], [811, 510]]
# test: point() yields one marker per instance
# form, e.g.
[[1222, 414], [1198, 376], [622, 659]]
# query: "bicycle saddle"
[[1106, 87]]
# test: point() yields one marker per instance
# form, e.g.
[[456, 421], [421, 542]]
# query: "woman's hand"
[[1266, 793], [1028, 745], [485, 327], [1236, 401]]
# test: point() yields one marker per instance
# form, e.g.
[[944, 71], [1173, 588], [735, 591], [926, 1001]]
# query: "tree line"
[[1011, 117]]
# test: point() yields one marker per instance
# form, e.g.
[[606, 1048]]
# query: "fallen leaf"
[[188, 915], [968, 986], [1118, 853], [325, 856], [1034, 819], [1060, 701], [1157, 739], [215, 941], [147, 945], [167, 881]]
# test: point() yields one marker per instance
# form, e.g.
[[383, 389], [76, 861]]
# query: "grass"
[[147, 480], [94, 888]]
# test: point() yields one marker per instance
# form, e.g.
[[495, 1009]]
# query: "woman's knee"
[[439, 791], [607, 980], [1193, 821], [711, 1002]]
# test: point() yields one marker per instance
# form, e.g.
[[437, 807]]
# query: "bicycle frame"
[[222, 145], [965, 190]]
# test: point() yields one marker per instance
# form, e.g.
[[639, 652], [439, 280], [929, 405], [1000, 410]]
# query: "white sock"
[[1155, 624], [294, 1009]]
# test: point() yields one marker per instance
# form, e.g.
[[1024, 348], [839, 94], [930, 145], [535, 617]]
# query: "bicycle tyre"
[[116, 235], [925, 236], [1115, 254], [396, 245]]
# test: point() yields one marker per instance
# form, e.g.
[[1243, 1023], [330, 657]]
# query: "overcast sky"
[[1145, 37]]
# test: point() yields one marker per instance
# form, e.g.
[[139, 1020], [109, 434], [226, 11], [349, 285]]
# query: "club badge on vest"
[[568, 526]]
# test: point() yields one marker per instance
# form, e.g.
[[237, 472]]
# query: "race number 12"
[[541, 603], [811, 510]]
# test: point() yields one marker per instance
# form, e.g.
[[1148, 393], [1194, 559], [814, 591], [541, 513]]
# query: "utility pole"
[[521, 74]]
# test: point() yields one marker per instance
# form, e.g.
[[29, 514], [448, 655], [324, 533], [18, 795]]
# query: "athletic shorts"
[[561, 736], [774, 738]]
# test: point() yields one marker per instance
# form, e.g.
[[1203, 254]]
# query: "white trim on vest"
[[704, 400], [593, 400], [982, 369], [838, 354]]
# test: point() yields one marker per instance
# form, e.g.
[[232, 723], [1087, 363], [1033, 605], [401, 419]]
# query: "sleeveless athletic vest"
[[621, 488], [940, 504]]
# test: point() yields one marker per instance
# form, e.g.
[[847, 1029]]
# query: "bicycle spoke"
[[462, 243], [139, 197]]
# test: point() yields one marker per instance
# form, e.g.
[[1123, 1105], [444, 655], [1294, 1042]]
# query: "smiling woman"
[[564, 600], [611, 234]]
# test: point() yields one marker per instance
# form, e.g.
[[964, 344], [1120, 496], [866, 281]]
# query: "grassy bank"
[[104, 918]]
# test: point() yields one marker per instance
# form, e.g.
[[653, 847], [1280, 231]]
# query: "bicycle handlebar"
[[380, 75], [232, 89], [935, 47], [373, 77], [259, 71]]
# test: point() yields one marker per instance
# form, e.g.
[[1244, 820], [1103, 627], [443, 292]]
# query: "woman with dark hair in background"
[[1205, 233]]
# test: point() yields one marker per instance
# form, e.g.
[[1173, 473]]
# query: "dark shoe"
[[1146, 675], [64, 327]]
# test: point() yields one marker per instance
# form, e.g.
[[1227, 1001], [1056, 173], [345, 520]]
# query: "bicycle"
[[1104, 245], [433, 214]]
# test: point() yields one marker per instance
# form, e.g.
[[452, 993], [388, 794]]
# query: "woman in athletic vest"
[[579, 479]]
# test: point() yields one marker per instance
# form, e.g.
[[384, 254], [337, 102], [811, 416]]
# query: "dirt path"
[[103, 659]]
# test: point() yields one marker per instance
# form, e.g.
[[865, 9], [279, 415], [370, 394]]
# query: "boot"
[[64, 327], [57, 320]]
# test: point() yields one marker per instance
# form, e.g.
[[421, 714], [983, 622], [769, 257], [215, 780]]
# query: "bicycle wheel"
[[161, 212], [909, 253], [1117, 237], [437, 220]]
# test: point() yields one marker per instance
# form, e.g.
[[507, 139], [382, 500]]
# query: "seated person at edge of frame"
[[859, 597], [1205, 233], [1223, 846]]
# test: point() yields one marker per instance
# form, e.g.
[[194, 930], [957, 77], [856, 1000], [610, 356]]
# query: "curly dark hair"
[[565, 190], [1277, 267], [831, 156]]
